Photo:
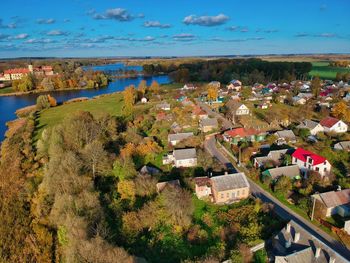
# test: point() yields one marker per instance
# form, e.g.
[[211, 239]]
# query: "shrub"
[[42, 102]]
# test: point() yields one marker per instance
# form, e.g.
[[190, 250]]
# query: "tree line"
[[249, 71]]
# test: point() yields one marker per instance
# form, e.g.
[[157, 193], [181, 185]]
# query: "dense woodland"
[[249, 71]]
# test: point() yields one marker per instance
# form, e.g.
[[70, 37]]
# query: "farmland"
[[324, 71]]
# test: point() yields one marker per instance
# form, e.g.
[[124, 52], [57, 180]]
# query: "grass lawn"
[[325, 71], [6, 90], [111, 104]]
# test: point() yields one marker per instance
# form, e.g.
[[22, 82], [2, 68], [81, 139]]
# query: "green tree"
[[316, 86], [283, 185], [42, 102]]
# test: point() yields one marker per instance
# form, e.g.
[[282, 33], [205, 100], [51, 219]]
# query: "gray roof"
[[334, 198], [233, 105], [183, 154], [209, 122], [286, 134], [290, 171], [149, 170], [345, 145], [229, 181], [273, 156], [298, 251], [179, 136], [307, 124]]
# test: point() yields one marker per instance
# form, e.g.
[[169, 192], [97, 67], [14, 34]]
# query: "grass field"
[[324, 71], [111, 104], [6, 90]]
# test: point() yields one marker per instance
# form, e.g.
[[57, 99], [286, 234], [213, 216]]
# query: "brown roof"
[[202, 181]]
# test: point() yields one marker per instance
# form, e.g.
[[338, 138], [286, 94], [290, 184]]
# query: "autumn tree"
[[212, 93], [341, 111], [42, 102], [52, 100], [129, 99], [316, 86], [154, 88], [142, 87]]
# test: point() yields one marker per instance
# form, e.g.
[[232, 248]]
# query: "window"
[[222, 195], [325, 169], [238, 193], [233, 194], [317, 169], [310, 160], [227, 195], [304, 164]]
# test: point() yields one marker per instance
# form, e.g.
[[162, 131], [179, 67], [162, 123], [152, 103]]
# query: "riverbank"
[[21, 93]]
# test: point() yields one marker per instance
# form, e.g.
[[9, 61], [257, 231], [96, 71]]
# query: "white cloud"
[[206, 20], [156, 24]]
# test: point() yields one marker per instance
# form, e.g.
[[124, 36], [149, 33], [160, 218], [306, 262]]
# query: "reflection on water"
[[9, 104]]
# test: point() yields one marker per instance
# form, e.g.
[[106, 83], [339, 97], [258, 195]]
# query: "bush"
[[42, 102]]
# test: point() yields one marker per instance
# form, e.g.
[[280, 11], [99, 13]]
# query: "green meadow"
[[324, 71]]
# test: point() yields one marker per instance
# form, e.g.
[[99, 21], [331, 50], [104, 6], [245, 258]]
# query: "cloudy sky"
[[173, 28]]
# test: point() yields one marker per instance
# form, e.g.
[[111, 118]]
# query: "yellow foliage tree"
[[212, 93], [127, 190], [341, 111], [129, 99], [155, 88]]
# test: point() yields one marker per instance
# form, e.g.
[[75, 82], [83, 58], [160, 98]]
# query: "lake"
[[9, 104]]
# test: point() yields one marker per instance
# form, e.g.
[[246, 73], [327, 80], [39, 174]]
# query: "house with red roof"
[[309, 161], [331, 124], [237, 135], [199, 113]]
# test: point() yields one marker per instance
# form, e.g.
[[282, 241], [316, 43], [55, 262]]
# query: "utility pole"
[[313, 208]]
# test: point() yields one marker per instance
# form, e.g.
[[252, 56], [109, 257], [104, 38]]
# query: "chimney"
[[317, 252], [288, 227], [296, 237], [226, 173], [331, 259], [288, 243]]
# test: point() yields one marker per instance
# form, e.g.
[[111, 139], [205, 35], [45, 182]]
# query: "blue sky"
[[173, 28]]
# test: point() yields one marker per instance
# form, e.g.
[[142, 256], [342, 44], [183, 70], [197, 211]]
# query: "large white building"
[[308, 161]]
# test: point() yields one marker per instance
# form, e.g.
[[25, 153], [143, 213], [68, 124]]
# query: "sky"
[[99, 28]]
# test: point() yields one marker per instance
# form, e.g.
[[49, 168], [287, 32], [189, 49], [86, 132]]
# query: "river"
[[9, 104]]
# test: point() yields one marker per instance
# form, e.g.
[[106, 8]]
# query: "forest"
[[249, 71]]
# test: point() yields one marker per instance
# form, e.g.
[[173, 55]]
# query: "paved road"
[[282, 210], [226, 124]]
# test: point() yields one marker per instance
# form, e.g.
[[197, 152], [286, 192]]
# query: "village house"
[[189, 86], [182, 158], [332, 203], [273, 157], [235, 109], [215, 84], [199, 113], [236, 135], [174, 139], [162, 185], [298, 100], [149, 170], [202, 187], [312, 126], [144, 100], [342, 146], [308, 161], [209, 124], [285, 136], [331, 124], [229, 188], [295, 244], [235, 85], [291, 171], [163, 106]]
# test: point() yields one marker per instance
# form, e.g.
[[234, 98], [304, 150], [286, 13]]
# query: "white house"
[[308, 161], [333, 202], [144, 100], [236, 108], [342, 146], [235, 85], [163, 106], [312, 126], [182, 158], [189, 86], [331, 124]]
